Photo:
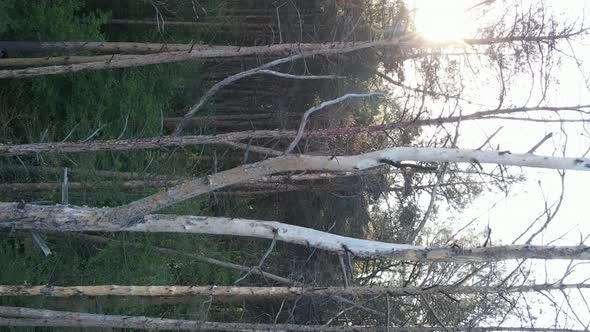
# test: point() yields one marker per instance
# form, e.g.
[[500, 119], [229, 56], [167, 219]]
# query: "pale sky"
[[509, 216]]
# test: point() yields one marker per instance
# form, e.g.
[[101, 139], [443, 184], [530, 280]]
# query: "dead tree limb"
[[325, 104]]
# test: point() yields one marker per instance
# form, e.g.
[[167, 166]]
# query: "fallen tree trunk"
[[213, 52], [132, 144], [76, 219], [409, 40], [288, 163], [60, 60], [52, 318], [167, 141], [235, 292], [253, 187], [99, 47]]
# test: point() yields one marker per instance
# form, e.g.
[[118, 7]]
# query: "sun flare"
[[442, 20]]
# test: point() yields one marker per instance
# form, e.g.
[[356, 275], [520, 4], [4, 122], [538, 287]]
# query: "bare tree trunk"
[[166, 141], [76, 219], [51, 318], [253, 293], [254, 187], [53, 186], [99, 47], [162, 177], [365, 161], [306, 50], [131, 144], [60, 60]]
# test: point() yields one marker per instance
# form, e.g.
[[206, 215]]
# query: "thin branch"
[[200, 258], [321, 106], [233, 78], [534, 148]]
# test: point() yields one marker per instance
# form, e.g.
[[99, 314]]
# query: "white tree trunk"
[[74, 219], [365, 161]]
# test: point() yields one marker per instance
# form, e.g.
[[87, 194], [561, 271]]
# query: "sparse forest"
[[296, 165]]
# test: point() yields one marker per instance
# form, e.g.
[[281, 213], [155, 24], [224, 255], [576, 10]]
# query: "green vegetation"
[[97, 105], [134, 103]]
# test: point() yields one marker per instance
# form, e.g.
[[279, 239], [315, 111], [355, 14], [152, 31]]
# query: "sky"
[[508, 216]]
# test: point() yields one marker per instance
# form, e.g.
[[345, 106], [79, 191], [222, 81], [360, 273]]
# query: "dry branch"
[[200, 258], [60, 60], [262, 69], [325, 104]]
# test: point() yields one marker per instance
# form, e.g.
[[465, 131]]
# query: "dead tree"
[[75, 219]]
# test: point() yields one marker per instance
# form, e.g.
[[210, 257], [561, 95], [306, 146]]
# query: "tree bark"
[[60, 60], [77, 219], [253, 293], [100, 47], [51, 318], [306, 50], [131, 144], [166, 141], [124, 185], [365, 161], [253, 187]]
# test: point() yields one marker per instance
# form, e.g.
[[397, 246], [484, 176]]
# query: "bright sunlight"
[[443, 20]]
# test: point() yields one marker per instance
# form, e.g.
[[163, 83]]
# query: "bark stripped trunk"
[[99, 47], [52, 318], [403, 41], [60, 60], [76, 219], [365, 161], [253, 293], [166, 141]]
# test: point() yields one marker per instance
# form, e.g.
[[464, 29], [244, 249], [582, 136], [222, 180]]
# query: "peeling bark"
[[250, 172], [74, 219], [404, 41], [236, 292], [53, 318], [167, 141]]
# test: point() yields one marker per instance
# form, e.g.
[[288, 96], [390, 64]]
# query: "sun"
[[442, 20]]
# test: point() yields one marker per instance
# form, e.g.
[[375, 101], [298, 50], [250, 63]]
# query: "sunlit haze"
[[443, 20]]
